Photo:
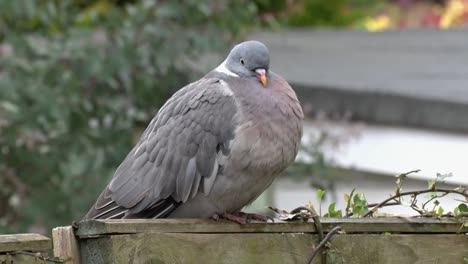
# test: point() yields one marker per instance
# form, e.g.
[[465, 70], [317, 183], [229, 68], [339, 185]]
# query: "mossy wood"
[[24, 242], [237, 248], [23, 248], [18, 258], [376, 240], [364, 225], [66, 245]]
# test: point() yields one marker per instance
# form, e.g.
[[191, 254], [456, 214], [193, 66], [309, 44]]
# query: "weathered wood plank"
[[367, 225], [24, 242], [402, 249], [197, 248], [272, 248], [66, 245], [21, 259]]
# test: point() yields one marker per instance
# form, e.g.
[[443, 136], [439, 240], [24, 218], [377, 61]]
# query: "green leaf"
[[463, 208], [440, 211], [456, 212], [401, 178], [320, 194], [359, 205], [348, 200], [346, 197], [431, 184], [332, 212]]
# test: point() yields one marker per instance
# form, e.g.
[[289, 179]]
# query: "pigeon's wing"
[[177, 157]]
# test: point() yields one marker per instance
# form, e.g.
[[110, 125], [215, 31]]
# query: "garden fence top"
[[365, 225], [24, 242]]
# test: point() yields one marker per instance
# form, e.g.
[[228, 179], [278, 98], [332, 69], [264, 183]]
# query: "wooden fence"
[[369, 240], [24, 249]]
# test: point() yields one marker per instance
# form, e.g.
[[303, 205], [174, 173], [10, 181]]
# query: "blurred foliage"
[[265, 6], [330, 13], [405, 14], [370, 15], [77, 79], [454, 14]]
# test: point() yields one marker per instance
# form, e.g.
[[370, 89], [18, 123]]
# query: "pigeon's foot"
[[243, 218]]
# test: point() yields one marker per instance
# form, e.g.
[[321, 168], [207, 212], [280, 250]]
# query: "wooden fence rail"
[[24, 249], [370, 240]]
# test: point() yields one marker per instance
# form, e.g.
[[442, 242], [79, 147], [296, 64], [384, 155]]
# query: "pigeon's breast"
[[270, 127], [266, 140], [267, 145]]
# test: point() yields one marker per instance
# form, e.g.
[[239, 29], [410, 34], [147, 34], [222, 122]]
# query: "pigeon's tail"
[[106, 208]]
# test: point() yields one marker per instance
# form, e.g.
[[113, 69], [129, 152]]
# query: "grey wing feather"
[[176, 156]]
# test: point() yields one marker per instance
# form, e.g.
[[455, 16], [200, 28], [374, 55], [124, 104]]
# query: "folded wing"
[[178, 155]]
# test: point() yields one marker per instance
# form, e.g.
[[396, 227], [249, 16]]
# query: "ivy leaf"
[[456, 212], [401, 178], [346, 197], [440, 211], [431, 184], [463, 208], [360, 205], [332, 212], [348, 200], [320, 194]]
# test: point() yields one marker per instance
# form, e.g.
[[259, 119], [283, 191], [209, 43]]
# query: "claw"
[[74, 225]]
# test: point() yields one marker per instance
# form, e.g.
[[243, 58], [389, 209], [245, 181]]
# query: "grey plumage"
[[213, 147]]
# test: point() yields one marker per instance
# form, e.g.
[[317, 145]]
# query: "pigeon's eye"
[[242, 61]]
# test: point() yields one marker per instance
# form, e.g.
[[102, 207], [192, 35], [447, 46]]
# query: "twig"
[[315, 217], [375, 204], [432, 198], [322, 243], [415, 208], [317, 223], [387, 204], [415, 193]]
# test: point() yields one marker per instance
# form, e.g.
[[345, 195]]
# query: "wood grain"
[[272, 248], [21, 259], [365, 225], [66, 245], [24, 242]]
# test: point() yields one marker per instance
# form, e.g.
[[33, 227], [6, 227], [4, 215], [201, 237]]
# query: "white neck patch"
[[222, 69]]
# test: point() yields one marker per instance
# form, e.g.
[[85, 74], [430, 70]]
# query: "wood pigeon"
[[213, 147]]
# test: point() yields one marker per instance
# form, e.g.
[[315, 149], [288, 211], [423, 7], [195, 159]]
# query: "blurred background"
[[384, 85]]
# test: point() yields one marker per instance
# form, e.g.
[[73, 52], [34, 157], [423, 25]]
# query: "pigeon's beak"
[[261, 76]]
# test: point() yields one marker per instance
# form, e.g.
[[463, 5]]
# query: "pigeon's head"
[[249, 59]]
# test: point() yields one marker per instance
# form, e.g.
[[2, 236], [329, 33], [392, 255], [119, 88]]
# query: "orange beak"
[[261, 75]]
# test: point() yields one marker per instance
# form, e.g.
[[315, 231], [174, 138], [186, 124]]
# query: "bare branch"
[[322, 243], [415, 193]]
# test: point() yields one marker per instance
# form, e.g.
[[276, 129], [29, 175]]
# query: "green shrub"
[[79, 80], [330, 13]]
